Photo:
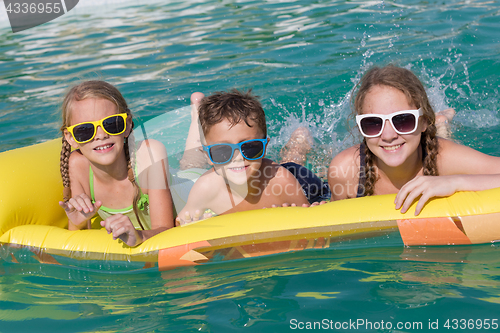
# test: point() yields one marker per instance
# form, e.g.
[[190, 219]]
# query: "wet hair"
[[80, 92], [405, 81], [234, 106]]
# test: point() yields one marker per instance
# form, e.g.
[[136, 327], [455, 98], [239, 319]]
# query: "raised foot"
[[297, 147]]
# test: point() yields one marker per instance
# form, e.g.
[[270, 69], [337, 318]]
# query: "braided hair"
[[80, 92], [405, 81]]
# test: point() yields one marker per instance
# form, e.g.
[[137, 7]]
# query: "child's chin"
[[238, 180]]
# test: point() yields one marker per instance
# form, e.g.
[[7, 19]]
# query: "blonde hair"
[[405, 81], [80, 92]]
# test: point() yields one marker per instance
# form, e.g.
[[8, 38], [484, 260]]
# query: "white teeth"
[[238, 169], [392, 147], [103, 147]]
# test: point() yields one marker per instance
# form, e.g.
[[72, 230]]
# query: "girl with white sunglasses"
[[400, 152]]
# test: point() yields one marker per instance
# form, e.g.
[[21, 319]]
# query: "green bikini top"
[[142, 205]]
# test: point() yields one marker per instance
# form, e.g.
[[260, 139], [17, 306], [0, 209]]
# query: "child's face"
[[103, 149], [239, 170], [390, 147]]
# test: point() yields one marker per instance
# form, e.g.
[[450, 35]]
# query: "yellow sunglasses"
[[113, 125]]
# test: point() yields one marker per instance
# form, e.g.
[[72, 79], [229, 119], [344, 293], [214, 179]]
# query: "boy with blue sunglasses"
[[235, 141]]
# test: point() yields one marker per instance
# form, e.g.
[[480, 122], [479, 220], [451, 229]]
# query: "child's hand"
[[322, 202], [197, 216], [122, 228], [80, 209], [426, 187], [286, 204]]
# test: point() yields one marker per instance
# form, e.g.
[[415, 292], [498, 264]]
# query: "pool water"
[[302, 58]]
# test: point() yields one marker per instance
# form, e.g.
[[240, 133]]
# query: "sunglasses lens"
[[404, 123], [83, 132], [114, 125], [252, 150], [371, 125], [221, 153]]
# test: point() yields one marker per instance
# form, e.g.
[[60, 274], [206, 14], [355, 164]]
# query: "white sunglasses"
[[403, 122]]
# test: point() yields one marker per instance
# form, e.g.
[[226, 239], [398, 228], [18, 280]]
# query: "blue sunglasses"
[[221, 153]]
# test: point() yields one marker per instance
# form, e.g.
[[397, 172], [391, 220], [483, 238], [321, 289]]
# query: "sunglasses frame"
[[416, 113], [235, 146], [99, 123]]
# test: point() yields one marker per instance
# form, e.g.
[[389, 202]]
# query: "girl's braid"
[[64, 167], [137, 193], [371, 171]]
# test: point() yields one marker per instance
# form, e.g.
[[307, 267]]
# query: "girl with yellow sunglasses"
[[98, 176]]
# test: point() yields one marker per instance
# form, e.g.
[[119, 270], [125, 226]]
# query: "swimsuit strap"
[[91, 183], [362, 174], [424, 150]]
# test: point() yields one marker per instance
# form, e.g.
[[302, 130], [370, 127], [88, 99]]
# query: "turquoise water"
[[303, 58]]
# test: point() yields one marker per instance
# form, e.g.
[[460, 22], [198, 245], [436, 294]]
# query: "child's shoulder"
[[347, 156], [207, 188], [209, 181], [152, 148], [148, 152], [453, 152], [77, 161], [343, 173], [276, 173], [270, 169], [454, 158], [447, 145], [79, 168]]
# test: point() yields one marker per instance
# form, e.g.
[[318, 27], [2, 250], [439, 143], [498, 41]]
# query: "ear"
[[424, 124], [130, 124], [71, 141], [265, 146], [205, 153], [214, 166]]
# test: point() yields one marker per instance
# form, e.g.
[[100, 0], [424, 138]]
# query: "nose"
[[388, 134], [237, 155], [100, 133]]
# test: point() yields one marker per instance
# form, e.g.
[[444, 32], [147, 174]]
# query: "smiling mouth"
[[104, 147], [391, 148], [238, 169]]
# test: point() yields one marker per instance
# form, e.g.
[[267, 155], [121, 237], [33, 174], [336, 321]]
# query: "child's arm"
[[161, 207], [198, 201], [461, 168], [152, 161], [189, 217], [209, 192], [80, 211], [122, 228], [79, 208]]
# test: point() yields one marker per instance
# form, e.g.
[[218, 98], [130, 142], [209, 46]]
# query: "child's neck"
[[116, 171], [405, 172], [243, 192]]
